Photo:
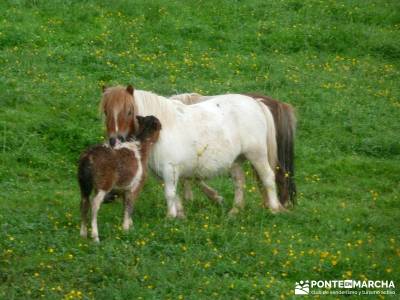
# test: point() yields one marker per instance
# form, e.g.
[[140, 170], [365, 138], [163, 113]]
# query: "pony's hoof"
[[127, 225], [233, 212], [278, 210], [219, 200], [188, 197], [83, 234], [96, 239], [181, 215], [171, 216]]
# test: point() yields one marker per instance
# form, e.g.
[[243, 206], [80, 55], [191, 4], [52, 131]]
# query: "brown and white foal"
[[124, 167]]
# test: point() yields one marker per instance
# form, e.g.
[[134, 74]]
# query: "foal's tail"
[[285, 125], [85, 177]]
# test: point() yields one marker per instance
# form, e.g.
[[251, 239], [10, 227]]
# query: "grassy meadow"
[[336, 61]]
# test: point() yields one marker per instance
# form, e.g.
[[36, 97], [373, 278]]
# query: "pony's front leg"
[[97, 200], [128, 208], [175, 208]]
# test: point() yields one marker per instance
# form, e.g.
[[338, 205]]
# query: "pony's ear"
[[130, 89], [103, 88]]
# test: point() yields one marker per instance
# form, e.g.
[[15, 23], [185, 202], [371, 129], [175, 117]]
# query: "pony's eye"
[[129, 113]]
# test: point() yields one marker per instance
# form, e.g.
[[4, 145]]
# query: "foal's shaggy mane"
[[190, 98]]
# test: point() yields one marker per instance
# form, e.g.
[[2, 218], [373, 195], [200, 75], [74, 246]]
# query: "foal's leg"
[[238, 177], [266, 175], [85, 203], [97, 200], [175, 208], [128, 208]]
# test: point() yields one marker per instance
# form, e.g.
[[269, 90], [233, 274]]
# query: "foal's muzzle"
[[112, 142]]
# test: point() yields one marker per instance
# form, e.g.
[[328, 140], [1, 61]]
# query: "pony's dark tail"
[[285, 124], [85, 177]]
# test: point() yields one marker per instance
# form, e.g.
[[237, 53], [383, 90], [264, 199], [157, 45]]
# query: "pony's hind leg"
[[238, 177], [211, 193], [206, 189], [85, 204], [187, 190], [96, 202], [266, 176]]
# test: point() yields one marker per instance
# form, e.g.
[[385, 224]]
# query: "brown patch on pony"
[[118, 105], [285, 124]]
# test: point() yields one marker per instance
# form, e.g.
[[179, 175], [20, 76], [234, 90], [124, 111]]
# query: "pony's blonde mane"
[[164, 109], [190, 98], [187, 98]]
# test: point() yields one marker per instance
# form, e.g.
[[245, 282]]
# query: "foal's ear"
[[157, 124], [140, 120], [103, 88], [130, 89]]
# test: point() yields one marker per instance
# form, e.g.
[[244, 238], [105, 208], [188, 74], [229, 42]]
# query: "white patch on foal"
[[96, 202], [134, 147]]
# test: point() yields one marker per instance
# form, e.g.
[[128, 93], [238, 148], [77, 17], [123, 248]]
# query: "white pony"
[[200, 140], [285, 126]]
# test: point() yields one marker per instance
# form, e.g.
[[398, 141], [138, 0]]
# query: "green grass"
[[337, 62]]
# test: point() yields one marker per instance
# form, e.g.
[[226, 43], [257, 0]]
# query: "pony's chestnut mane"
[[117, 99]]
